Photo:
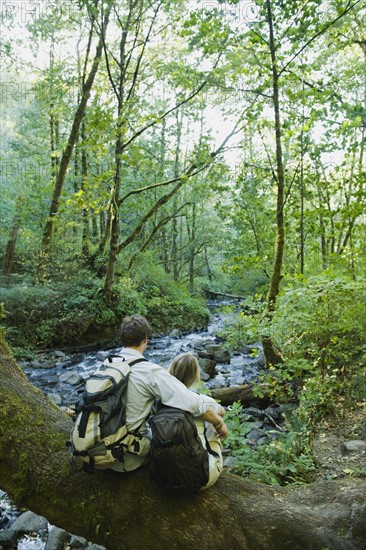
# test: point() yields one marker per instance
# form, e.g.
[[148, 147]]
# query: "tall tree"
[[274, 287], [67, 153], [138, 26]]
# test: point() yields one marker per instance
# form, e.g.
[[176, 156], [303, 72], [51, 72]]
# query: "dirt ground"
[[347, 426]]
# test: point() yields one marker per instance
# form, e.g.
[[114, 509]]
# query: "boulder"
[[255, 435], [78, 542], [58, 354], [254, 412], [213, 348], [216, 352], [45, 364], [355, 446], [56, 539], [204, 354], [275, 412], [55, 398], [223, 356], [29, 522], [8, 538], [62, 364], [71, 378], [208, 366], [204, 376]]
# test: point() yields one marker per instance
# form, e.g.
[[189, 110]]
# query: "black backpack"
[[179, 462]]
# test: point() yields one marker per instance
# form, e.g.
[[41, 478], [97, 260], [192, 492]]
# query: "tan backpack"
[[99, 437]]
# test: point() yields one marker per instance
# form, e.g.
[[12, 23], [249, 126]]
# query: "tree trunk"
[[302, 191], [323, 240], [55, 142], [128, 511], [211, 293], [175, 242], [208, 267], [94, 223], [271, 355], [66, 156], [113, 253], [11, 244], [114, 213], [177, 169], [165, 249], [192, 236], [84, 179], [54, 124]]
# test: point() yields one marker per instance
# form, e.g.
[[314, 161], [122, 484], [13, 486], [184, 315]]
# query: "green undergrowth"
[[285, 459], [319, 331], [73, 311]]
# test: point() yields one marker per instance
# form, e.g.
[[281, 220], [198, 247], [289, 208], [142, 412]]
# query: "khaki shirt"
[[149, 382]]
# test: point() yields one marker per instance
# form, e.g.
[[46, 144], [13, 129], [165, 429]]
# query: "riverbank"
[[340, 445], [60, 374], [74, 313]]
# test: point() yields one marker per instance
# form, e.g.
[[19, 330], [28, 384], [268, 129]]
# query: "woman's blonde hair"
[[186, 368]]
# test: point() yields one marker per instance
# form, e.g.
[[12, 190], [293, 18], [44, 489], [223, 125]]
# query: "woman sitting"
[[186, 368]]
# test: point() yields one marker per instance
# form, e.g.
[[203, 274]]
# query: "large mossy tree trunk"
[[126, 511]]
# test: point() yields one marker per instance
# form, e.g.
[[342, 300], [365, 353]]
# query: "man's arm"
[[217, 422], [173, 393]]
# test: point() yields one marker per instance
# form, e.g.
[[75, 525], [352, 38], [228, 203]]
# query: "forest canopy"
[[153, 150]]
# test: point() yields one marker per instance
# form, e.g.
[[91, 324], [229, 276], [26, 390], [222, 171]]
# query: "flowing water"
[[61, 376]]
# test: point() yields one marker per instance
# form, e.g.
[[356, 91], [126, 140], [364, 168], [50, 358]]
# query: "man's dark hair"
[[134, 330]]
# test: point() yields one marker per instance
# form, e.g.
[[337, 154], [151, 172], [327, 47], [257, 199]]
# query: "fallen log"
[[225, 294], [245, 394], [126, 511]]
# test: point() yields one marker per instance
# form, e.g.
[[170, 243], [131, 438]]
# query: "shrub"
[[320, 327], [168, 304], [73, 310], [287, 459], [323, 320]]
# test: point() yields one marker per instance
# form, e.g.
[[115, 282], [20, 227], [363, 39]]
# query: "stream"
[[61, 376]]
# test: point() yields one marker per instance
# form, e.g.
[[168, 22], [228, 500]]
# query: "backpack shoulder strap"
[[141, 360], [130, 363], [208, 446]]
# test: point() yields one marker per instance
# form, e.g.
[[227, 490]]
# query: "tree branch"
[[193, 170], [319, 33], [138, 64], [153, 234], [172, 109]]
